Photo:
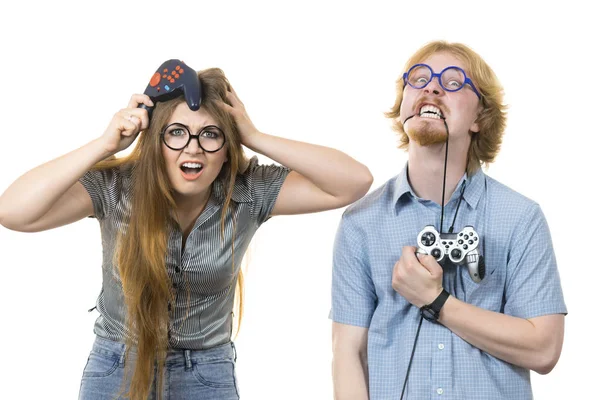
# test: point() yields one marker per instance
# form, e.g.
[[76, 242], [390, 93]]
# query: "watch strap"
[[439, 302], [431, 312]]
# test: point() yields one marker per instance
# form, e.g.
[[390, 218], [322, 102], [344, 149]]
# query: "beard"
[[426, 133]]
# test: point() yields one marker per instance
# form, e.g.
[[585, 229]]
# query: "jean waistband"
[[223, 351]]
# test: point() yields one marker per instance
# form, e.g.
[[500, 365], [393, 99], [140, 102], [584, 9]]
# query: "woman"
[[176, 217]]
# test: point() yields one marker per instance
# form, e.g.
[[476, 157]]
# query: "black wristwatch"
[[431, 312]]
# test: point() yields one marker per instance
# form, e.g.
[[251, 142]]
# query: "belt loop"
[[188, 360], [234, 352], [122, 358]]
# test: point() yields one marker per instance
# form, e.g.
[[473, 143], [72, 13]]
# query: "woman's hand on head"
[[237, 110], [126, 124]]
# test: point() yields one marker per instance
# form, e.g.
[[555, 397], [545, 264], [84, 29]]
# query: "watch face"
[[429, 314]]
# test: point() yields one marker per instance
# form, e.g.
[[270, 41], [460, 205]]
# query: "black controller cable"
[[441, 225], [462, 192]]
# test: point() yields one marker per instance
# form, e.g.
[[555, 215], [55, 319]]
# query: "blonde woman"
[[176, 217]]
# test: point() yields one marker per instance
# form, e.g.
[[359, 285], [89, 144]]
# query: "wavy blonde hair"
[[485, 144], [141, 252]]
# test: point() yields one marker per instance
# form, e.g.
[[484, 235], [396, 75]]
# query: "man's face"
[[460, 108]]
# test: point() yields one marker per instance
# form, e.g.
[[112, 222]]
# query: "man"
[[479, 339]]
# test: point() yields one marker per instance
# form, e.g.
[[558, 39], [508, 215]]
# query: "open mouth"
[[191, 170], [429, 111]]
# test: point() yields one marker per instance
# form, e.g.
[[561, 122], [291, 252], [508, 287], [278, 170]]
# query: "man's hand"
[[417, 278]]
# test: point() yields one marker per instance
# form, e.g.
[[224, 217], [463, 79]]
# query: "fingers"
[[233, 98], [137, 99], [422, 263], [232, 90], [128, 125], [409, 256], [430, 264], [131, 121], [225, 107], [139, 116]]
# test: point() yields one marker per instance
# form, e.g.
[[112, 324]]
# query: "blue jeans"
[[188, 374]]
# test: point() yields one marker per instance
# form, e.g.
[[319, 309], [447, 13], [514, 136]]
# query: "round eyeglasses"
[[452, 78], [177, 137]]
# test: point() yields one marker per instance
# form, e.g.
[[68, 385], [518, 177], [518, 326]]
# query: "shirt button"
[[441, 346], [177, 269], [440, 391]]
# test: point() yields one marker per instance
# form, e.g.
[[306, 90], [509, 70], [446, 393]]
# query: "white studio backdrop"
[[322, 72]]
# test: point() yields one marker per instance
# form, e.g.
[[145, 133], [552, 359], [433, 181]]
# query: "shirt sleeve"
[[353, 296], [265, 184], [104, 188], [533, 283]]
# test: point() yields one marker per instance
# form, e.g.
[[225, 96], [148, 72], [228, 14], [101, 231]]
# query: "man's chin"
[[426, 136]]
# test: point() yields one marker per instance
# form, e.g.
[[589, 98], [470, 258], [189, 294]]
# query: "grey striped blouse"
[[202, 275]]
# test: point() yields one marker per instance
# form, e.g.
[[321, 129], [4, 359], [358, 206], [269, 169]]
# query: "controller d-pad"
[[428, 239]]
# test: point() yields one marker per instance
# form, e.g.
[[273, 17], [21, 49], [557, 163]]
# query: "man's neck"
[[426, 169]]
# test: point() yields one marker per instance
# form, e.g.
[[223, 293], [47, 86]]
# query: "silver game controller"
[[462, 248]]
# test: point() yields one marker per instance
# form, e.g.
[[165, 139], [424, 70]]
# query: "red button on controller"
[[155, 79]]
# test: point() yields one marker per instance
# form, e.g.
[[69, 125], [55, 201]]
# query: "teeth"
[[191, 165], [429, 111]]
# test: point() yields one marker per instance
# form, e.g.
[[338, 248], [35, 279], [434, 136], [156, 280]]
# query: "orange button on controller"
[[155, 79]]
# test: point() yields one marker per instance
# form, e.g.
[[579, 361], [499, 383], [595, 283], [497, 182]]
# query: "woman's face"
[[192, 170]]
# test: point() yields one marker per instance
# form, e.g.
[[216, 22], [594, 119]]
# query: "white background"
[[322, 72]]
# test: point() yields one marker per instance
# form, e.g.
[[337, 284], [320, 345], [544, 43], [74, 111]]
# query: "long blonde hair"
[[141, 251], [485, 144]]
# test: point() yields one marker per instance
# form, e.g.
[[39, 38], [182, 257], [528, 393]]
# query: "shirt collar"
[[473, 189]]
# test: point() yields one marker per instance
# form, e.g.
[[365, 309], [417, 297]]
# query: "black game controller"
[[171, 79], [460, 248]]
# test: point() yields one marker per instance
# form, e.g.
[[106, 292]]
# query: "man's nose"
[[434, 87]]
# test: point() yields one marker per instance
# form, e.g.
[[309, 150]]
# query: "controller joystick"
[[172, 79], [460, 248]]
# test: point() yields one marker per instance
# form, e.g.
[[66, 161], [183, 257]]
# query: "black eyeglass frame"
[[190, 137]]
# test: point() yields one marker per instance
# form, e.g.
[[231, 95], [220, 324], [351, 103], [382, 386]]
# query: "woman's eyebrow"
[[190, 129]]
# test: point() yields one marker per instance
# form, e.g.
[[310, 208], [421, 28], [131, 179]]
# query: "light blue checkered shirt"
[[522, 280]]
